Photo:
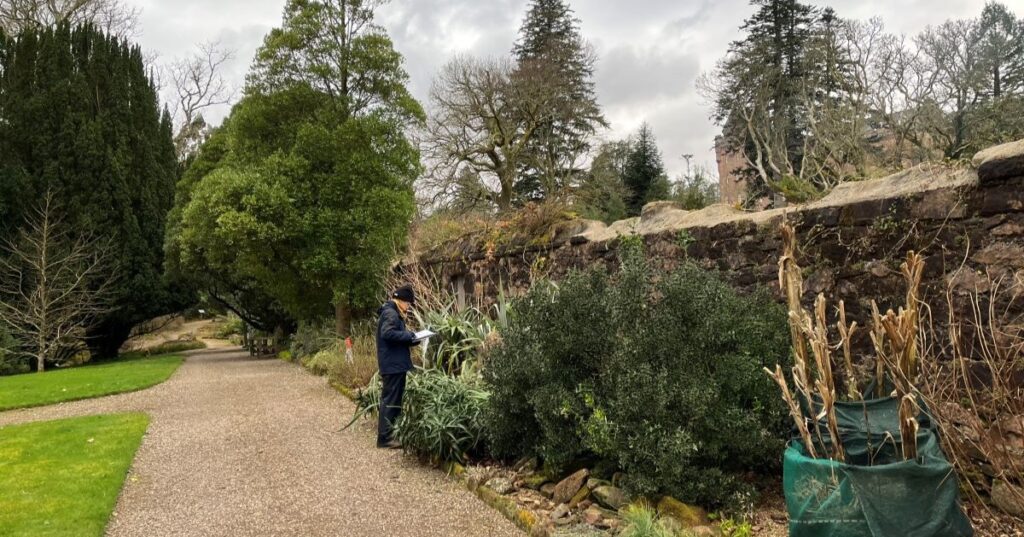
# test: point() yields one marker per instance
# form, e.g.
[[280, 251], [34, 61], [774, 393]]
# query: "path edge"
[[522, 518]]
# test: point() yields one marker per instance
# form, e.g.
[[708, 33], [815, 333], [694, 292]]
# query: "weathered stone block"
[[1008, 498], [568, 487], [1004, 254], [1000, 162], [1005, 197], [611, 497]]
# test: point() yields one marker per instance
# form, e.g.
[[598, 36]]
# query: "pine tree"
[[81, 118], [1000, 37], [764, 84], [552, 48], [644, 173]]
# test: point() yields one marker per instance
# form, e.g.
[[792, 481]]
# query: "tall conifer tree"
[[644, 173], [550, 43], [79, 116]]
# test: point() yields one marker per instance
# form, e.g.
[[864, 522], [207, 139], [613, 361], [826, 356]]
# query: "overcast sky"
[[650, 51]]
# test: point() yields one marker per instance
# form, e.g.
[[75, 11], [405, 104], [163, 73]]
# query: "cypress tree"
[[81, 118]]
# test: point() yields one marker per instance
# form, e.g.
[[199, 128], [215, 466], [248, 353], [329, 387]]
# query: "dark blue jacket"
[[393, 341]]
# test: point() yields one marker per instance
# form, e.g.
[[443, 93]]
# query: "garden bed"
[[597, 506]]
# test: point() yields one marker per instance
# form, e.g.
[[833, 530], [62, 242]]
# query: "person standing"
[[394, 342]]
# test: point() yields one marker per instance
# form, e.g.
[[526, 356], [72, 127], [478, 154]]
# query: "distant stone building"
[[732, 187]]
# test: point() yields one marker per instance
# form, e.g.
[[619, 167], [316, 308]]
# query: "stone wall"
[[968, 223]]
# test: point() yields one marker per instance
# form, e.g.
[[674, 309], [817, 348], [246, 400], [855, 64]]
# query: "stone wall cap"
[[1000, 162]]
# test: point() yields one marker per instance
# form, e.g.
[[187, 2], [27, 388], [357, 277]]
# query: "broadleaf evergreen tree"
[[312, 195]]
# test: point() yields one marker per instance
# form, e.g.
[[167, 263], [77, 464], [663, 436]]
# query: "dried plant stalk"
[[846, 332], [792, 283], [808, 332], [878, 340], [825, 386], [909, 426], [794, 409], [896, 333]]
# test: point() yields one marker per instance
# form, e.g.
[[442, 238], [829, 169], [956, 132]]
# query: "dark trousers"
[[390, 405]]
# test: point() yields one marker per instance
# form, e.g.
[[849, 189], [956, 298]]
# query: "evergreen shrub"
[[659, 376], [11, 362]]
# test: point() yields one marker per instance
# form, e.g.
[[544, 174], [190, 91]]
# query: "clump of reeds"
[[895, 339]]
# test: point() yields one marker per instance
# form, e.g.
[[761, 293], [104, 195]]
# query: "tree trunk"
[[343, 318]]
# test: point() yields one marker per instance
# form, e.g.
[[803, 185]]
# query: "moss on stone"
[[687, 515]]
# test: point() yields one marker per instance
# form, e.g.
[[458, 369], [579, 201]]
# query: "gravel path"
[[244, 447]]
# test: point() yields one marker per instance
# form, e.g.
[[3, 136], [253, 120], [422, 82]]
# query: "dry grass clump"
[[452, 233], [352, 369]]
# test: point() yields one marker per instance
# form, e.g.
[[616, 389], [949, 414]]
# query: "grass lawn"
[[62, 478], [34, 389]]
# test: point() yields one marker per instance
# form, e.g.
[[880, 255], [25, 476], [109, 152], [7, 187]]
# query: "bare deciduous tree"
[[484, 115], [53, 285], [198, 84], [113, 16]]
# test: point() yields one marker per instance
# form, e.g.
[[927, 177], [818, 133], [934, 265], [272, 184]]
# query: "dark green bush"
[[11, 362], [552, 350], [660, 377]]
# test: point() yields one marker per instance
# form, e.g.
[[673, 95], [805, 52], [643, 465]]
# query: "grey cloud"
[[626, 74], [650, 51]]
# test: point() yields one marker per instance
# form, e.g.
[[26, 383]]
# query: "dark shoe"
[[391, 444]]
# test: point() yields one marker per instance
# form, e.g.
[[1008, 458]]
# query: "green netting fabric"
[[874, 493]]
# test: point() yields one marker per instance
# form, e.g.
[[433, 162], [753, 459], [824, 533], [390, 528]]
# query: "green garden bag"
[[874, 493]]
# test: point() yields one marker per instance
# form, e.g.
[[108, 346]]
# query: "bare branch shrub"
[[53, 285], [972, 380], [199, 84], [112, 16]]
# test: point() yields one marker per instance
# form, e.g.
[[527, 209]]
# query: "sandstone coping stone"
[[1000, 162], [859, 199]]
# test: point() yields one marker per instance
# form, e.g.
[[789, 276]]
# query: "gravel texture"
[[246, 447]]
